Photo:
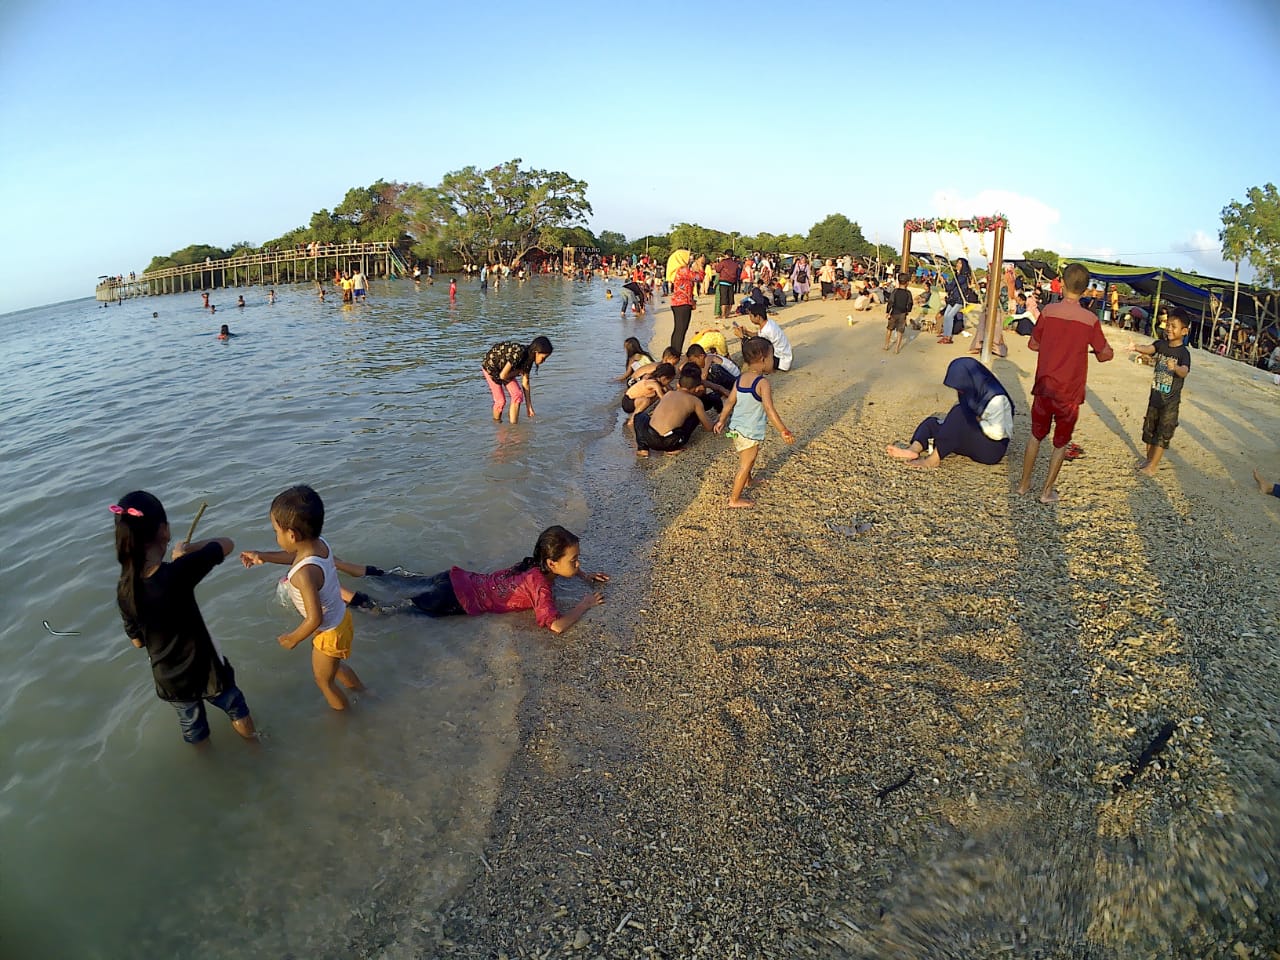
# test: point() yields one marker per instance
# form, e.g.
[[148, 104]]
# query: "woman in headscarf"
[[683, 273], [977, 427], [800, 280], [960, 293]]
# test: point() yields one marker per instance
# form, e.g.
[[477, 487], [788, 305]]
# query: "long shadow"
[[1112, 422]]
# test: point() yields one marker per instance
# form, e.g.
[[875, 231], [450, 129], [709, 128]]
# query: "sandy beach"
[[783, 737]]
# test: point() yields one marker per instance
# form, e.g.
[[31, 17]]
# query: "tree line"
[[506, 213]]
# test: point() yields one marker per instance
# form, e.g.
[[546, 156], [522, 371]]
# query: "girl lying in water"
[[525, 586]]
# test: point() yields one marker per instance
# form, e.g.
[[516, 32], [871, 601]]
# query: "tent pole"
[[906, 249], [1235, 297]]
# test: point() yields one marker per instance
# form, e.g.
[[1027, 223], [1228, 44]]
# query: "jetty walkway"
[[305, 262]]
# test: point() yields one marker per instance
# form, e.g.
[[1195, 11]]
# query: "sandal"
[[1074, 451]]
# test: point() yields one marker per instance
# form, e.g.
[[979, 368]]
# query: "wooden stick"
[[199, 513]]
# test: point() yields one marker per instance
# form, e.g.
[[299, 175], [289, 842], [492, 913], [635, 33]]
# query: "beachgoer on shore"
[[1266, 486], [1063, 337], [768, 328], [800, 280], [1172, 365], [526, 586], [647, 390], [297, 517], [677, 414], [978, 426], [158, 606], [960, 294], [900, 304], [508, 365], [637, 356], [749, 407], [683, 279]]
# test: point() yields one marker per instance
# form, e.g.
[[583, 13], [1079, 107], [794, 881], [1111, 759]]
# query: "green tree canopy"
[[196, 253], [1251, 231], [499, 214], [611, 242], [1048, 256], [836, 235]]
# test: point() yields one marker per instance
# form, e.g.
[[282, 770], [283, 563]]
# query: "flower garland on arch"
[[952, 225]]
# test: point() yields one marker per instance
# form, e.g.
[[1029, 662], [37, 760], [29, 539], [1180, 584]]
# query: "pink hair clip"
[[118, 510]]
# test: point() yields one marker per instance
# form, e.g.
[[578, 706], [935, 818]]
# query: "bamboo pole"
[[906, 248], [995, 267], [1235, 298]]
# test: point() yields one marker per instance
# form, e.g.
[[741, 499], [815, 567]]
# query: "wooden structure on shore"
[[302, 264]]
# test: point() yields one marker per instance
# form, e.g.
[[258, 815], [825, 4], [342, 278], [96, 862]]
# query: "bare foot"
[[642, 453], [1050, 497], [900, 453], [1147, 471], [926, 463], [1023, 489], [741, 504], [1142, 465], [898, 349], [1262, 484]]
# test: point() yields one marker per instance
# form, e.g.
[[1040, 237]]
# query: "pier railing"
[[299, 264]]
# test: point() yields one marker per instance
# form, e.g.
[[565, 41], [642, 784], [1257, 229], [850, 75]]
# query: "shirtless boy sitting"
[[675, 417]]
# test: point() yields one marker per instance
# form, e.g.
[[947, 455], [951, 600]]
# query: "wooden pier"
[[301, 264]]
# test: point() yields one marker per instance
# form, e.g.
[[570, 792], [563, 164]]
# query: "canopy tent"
[[1038, 270], [1190, 291]]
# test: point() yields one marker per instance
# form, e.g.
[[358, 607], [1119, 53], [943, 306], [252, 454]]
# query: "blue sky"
[[1117, 129]]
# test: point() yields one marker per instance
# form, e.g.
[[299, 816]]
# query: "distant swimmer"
[[240, 301], [453, 291], [205, 298], [225, 333], [271, 296]]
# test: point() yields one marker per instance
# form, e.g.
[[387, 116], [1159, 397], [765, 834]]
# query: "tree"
[[196, 253], [837, 235], [1048, 256], [611, 242], [1251, 231], [499, 214], [691, 236]]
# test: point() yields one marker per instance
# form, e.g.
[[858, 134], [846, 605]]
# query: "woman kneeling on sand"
[[978, 427]]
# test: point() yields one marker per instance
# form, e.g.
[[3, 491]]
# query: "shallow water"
[[118, 839]]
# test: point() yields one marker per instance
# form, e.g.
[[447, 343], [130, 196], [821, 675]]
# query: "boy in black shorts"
[[1172, 363], [900, 304]]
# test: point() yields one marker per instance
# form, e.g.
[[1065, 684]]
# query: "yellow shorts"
[[741, 443], [336, 643]]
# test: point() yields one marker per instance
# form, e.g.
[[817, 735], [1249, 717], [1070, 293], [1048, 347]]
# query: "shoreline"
[[780, 739]]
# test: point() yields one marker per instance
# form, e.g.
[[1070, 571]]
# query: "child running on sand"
[[750, 403], [1063, 336], [1172, 364], [297, 517], [508, 364], [158, 605], [526, 586]]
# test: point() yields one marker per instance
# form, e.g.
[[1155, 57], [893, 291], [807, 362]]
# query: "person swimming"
[[225, 333]]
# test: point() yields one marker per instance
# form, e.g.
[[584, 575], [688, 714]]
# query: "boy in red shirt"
[[1062, 336]]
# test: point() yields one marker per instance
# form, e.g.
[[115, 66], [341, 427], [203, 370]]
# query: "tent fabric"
[[1187, 290]]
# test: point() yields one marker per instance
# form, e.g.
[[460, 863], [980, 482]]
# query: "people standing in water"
[[977, 427], [297, 517], [359, 285], [507, 366], [158, 606], [453, 291], [225, 333], [525, 586]]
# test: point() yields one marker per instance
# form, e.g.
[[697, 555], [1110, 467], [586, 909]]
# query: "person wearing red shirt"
[[1063, 337], [682, 301], [1055, 288]]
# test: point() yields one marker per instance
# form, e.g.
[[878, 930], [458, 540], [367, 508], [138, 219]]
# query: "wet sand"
[[938, 737]]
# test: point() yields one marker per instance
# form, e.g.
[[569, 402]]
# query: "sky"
[[1116, 130]]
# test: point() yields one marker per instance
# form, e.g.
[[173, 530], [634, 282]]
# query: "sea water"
[[120, 840]]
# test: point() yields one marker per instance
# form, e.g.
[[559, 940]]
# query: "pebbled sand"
[[783, 738]]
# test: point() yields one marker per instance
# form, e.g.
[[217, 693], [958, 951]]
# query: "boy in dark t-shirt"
[[1172, 363]]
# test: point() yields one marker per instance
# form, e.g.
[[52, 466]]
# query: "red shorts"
[[1063, 415]]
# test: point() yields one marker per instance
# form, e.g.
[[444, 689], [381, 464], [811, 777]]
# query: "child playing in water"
[[526, 586], [297, 517], [508, 365], [158, 605], [637, 356], [225, 333], [750, 404], [647, 390]]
